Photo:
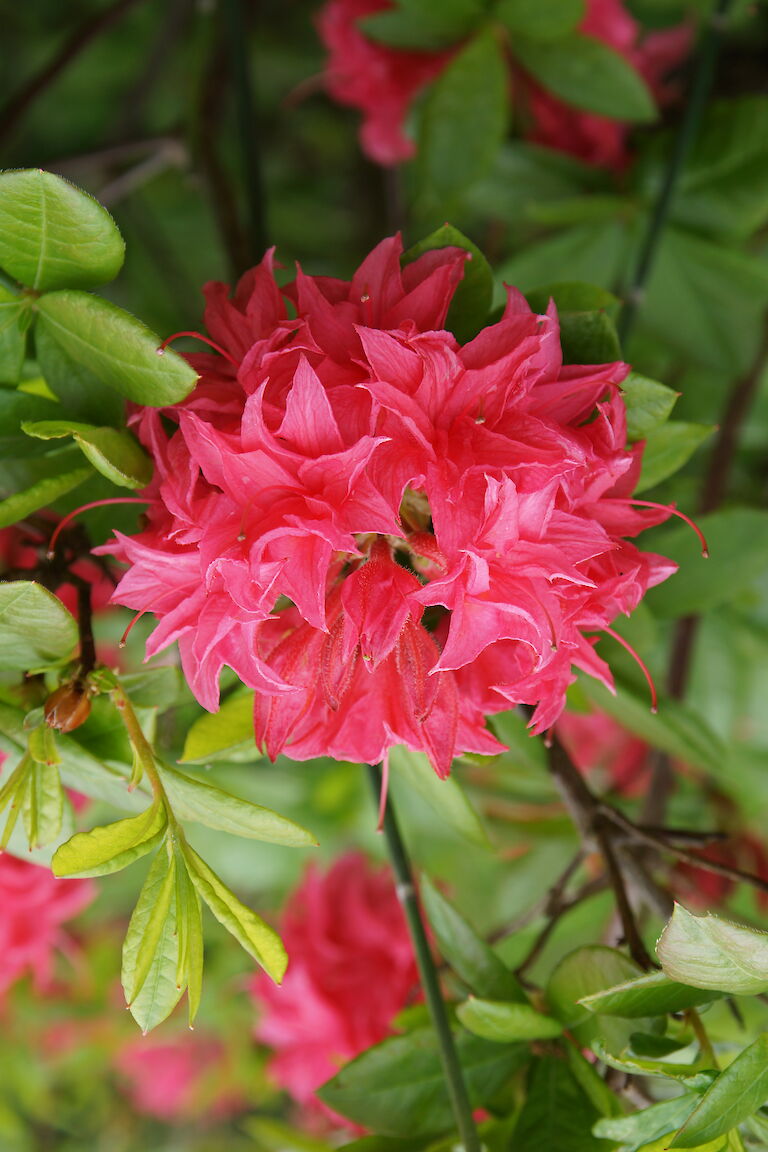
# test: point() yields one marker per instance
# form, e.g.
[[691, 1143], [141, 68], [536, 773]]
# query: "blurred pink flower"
[[182, 1079], [34, 906], [386, 534], [351, 971], [598, 743]]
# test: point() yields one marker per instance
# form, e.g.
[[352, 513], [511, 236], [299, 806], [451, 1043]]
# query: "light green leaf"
[[273, 1135], [193, 799], [504, 1023], [251, 932], [398, 1087], [111, 847], [115, 346], [463, 120], [640, 1128], [595, 253], [695, 1076], [469, 956], [82, 395], [422, 24], [36, 630], [53, 235], [215, 734], [738, 1092], [43, 804], [147, 922], [544, 20], [581, 972], [14, 314], [152, 687], [40, 495], [588, 74], [472, 299], [445, 796], [708, 952], [160, 992], [668, 448], [190, 932], [653, 994], [738, 558], [648, 405], [116, 454]]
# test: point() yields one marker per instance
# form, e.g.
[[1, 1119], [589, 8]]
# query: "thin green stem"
[[697, 98], [248, 129], [406, 890]]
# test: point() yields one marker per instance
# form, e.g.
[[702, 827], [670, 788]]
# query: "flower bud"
[[67, 708]]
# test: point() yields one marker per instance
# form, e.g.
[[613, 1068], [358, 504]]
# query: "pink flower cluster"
[[382, 82], [181, 1079], [352, 970], [386, 534], [34, 906]]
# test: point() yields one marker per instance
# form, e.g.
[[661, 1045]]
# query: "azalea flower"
[[184, 1078], [352, 970], [383, 82], [386, 534]]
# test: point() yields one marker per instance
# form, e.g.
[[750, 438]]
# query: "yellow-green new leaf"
[[506, 1023], [111, 847], [113, 453], [708, 952], [160, 992], [147, 924], [190, 932], [43, 804], [251, 932]]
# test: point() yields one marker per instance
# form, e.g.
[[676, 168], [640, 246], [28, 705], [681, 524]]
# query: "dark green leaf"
[[251, 932], [36, 630], [463, 120], [640, 1128], [738, 548], [648, 405], [116, 347], [588, 74], [668, 448], [573, 296], [111, 847], [194, 799], [445, 796], [215, 734], [398, 1088], [504, 1023], [587, 331], [651, 995], [45, 492], [587, 970], [557, 1113], [116, 454], [82, 394], [53, 235], [14, 314], [544, 20], [708, 952], [469, 956], [471, 302], [422, 24], [738, 1092]]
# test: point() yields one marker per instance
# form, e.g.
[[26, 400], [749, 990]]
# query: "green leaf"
[[251, 932], [445, 796], [14, 314], [463, 121], [738, 1092], [586, 970], [217, 733], [190, 931], [544, 20], [573, 296], [82, 395], [146, 924], [115, 346], [640, 1128], [193, 799], [668, 448], [40, 495], [595, 253], [53, 235], [587, 74], [111, 847], [43, 804], [422, 24], [648, 403], [557, 1113], [469, 956], [36, 630], [116, 454], [152, 687], [397, 1088], [504, 1023], [651, 995], [471, 302], [738, 549], [695, 1076], [708, 952], [587, 331], [160, 992], [271, 1135]]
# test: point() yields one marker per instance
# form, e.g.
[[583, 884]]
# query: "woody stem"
[[406, 891]]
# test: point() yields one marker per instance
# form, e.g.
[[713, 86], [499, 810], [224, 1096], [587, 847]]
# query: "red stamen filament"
[[641, 664], [135, 620], [85, 508], [198, 336], [674, 512]]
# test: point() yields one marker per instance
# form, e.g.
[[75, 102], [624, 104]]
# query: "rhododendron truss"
[[387, 535]]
